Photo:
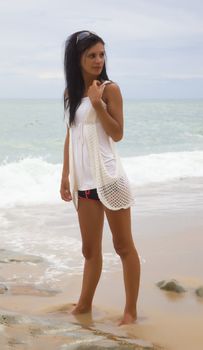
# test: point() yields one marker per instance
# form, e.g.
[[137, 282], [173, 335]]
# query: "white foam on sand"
[[50, 232]]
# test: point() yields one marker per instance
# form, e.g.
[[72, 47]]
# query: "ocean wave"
[[164, 167], [29, 181], [35, 181]]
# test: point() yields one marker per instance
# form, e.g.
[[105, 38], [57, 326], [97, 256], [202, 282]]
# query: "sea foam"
[[35, 181]]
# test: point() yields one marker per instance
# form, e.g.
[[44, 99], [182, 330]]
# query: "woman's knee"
[[123, 249], [90, 252]]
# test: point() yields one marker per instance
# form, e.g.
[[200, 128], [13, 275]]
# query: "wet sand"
[[170, 247]]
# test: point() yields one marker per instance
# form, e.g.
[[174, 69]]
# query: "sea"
[[163, 141], [162, 153]]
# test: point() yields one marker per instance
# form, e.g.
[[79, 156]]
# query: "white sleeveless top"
[[94, 162], [81, 159]]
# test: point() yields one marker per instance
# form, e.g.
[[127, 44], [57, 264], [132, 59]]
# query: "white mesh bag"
[[113, 191]]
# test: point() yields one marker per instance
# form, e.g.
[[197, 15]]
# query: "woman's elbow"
[[118, 136]]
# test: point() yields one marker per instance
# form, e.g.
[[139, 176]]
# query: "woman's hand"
[[95, 92], [65, 189]]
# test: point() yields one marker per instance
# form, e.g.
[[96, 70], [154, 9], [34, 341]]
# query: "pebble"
[[3, 288], [171, 285], [199, 291]]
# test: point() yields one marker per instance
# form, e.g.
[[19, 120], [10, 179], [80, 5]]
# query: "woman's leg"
[[91, 219], [120, 225]]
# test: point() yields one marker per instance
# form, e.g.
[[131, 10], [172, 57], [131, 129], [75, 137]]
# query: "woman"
[[98, 185]]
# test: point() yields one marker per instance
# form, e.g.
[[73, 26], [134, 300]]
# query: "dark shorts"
[[89, 194]]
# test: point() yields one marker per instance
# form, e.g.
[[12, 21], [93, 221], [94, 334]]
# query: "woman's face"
[[92, 60]]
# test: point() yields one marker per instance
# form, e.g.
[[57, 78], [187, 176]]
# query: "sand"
[[169, 242]]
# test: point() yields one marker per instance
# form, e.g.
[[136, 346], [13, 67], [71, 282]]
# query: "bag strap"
[[106, 82]]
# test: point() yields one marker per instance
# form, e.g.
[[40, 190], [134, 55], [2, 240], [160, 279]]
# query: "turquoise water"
[[163, 143], [163, 126], [35, 128]]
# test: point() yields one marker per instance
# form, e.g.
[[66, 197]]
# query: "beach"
[[167, 227], [152, 116], [41, 263]]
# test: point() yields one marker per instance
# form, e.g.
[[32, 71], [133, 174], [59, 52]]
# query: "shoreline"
[[169, 242]]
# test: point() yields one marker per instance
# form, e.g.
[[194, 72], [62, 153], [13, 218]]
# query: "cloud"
[[160, 40]]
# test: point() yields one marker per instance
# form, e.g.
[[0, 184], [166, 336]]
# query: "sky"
[[154, 47]]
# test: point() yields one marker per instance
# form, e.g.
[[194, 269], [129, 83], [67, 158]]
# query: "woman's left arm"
[[112, 116]]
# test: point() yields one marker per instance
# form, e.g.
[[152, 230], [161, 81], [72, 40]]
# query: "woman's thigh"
[[91, 220], [120, 225]]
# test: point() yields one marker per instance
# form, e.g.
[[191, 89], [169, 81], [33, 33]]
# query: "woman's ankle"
[[128, 318], [80, 308], [132, 311]]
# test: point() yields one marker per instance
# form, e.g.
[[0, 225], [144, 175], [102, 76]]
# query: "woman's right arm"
[[65, 185]]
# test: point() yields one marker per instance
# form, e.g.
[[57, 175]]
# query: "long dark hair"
[[75, 45]]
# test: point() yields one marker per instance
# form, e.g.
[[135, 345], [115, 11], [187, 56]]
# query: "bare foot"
[[79, 309], [127, 319]]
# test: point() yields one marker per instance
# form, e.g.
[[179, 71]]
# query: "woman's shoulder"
[[111, 91]]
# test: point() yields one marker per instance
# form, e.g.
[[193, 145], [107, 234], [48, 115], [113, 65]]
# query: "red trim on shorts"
[[87, 193], [91, 199]]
